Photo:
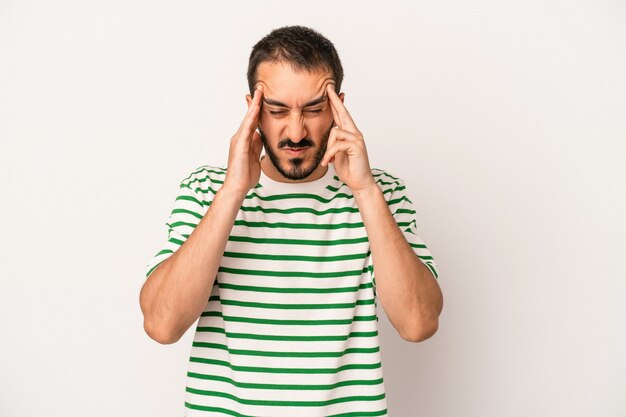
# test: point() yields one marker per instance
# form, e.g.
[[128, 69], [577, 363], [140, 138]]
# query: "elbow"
[[425, 325], [421, 332], [157, 329], [160, 333]]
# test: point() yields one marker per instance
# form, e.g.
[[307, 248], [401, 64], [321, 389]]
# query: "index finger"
[[252, 115], [344, 117]]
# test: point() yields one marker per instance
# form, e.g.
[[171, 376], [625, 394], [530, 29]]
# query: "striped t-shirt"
[[290, 328]]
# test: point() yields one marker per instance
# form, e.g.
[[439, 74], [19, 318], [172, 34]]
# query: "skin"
[[175, 294], [409, 294], [295, 112]]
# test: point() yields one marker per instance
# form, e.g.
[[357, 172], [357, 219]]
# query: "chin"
[[297, 172]]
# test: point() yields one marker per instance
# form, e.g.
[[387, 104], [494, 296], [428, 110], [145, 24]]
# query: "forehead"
[[281, 82]]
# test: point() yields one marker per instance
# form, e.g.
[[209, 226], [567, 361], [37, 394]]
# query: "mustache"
[[304, 143]]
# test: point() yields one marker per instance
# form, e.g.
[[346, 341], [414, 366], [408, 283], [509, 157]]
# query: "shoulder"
[[388, 183], [205, 179]]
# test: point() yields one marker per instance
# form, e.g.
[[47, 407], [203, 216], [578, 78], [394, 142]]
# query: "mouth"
[[298, 151]]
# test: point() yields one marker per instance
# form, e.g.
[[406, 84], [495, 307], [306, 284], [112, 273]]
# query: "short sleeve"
[[404, 213], [189, 208]]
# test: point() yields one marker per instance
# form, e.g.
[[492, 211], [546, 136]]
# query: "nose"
[[296, 130]]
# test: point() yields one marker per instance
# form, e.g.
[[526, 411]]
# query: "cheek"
[[319, 125], [268, 126]]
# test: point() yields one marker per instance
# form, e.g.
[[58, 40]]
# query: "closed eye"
[[282, 112]]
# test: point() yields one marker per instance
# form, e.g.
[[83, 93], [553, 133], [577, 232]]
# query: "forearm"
[[406, 288], [177, 291]]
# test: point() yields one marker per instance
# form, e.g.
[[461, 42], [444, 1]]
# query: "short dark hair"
[[301, 47]]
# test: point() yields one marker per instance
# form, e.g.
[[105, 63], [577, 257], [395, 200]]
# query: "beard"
[[296, 168]]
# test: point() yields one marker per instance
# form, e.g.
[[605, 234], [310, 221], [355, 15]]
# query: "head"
[[295, 65]]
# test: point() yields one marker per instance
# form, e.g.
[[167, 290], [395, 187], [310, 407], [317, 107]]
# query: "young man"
[[284, 246]]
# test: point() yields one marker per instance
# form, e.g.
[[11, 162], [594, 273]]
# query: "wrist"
[[231, 194], [368, 192]]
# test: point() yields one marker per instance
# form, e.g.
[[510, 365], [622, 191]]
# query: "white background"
[[505, 118]]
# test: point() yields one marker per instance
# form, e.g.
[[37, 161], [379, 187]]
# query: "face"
[[295, 119]]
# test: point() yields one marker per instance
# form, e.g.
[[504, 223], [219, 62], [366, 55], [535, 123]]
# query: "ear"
[[248, 99], [341, 96]]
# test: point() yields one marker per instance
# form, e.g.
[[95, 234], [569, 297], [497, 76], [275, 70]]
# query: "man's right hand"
[[176, 293], [244, 166]]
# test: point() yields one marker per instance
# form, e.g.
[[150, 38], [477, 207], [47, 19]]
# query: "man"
[[283, 248]]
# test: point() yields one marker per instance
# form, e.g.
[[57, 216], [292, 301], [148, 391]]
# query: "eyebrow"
[[311, 103]]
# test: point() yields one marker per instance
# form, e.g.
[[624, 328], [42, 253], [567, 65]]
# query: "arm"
[[409, 293], [177, 291]]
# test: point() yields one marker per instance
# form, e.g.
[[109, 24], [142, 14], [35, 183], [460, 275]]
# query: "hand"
[[244, 166], [346, 147]]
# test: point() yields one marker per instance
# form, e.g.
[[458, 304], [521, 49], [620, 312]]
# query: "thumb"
[[256, 145]]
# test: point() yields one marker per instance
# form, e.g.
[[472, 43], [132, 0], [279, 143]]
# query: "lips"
[[296, 151]]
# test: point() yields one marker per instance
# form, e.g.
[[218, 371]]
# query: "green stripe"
[[286, 370], [205, 179], [215, 409], [362, 414], [295, 257], [185, 211], [432, 269], [164, 251], [236, 414], [284, 225], [300, 210], [304, 196], [190, 198], [206, 168], [285, 403], [399, 200], [177, 224], [254, 304], [292, 290], [291, 387], [382, 172], [316, 197], [236, 319], [177, 241], [201, 191], [154, 267], [404, 210], [291, 273], [379, 182], [317, 338], [246, 352], [298, 241]]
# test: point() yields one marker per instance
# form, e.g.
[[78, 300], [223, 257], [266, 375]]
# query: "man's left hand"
[[346, 147]]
